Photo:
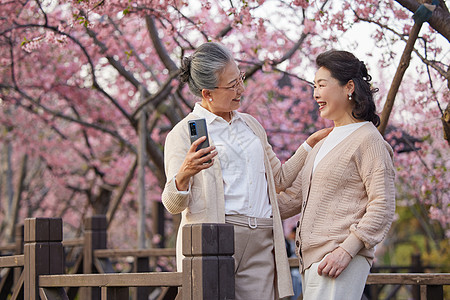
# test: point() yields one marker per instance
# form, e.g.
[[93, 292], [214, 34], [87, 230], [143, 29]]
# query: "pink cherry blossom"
[[70, 79]]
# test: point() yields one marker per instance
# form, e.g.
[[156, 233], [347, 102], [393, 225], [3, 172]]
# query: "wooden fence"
[[208, 269], [35, 266]]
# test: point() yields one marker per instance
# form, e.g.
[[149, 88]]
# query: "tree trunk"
[[8, 177], [403, 65], [446, 123], [14, 212], [142, 160], [123, 187], [440, 20]]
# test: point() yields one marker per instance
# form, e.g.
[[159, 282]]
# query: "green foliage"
[[126, 11], [408, 237], [129, 53], [25, 41], [439, 257]]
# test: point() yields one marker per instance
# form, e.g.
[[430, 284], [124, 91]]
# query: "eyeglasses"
[[234, 87]]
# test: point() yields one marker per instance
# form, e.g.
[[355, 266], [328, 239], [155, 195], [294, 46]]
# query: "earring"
[[349, 97], [210, 99]]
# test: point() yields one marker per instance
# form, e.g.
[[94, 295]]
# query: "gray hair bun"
[[185, 69], [202, 69]]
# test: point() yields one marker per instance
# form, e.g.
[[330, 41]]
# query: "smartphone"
[[197, 129]]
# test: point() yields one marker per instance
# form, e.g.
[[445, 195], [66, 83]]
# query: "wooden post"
[[115, 293], [435, 292], [416, 267], [141, 264], [208, 267], [95, 237], [19, 250], [373, 289], [19, 239], [43, 251], [158, 216]]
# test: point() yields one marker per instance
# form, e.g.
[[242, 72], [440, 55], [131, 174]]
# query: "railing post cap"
[[208, 239], [43, 229]]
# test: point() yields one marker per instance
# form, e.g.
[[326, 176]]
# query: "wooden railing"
[[431, 284], [35, 266], [12, 276], [208, 269]]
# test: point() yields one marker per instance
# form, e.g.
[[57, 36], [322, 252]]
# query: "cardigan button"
[[298, 224], [297, 243]]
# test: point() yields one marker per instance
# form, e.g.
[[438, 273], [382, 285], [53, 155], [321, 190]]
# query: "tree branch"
[[440, 19], [288, 54], [162, 94], [134, 52], [43, 12], [189, 20], [396, 81], [295, 76], [123, 187], [160, 49], [86, 54], [432, 64], [58, 132], [81, 122], [222, 33]]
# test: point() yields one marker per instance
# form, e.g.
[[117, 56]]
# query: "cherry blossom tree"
[[76, 77]]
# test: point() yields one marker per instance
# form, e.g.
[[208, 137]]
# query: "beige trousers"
[[348, 286], [254, 257]]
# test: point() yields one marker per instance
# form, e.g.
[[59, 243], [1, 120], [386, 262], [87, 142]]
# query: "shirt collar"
[[210, 117]]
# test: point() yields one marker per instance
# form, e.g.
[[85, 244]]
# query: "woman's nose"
[[240, 88]]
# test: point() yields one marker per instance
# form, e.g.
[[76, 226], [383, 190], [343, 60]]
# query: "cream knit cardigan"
[[205, 202], [349, 201]]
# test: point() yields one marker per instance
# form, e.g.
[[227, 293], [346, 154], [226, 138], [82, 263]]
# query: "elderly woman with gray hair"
[[235, 180]]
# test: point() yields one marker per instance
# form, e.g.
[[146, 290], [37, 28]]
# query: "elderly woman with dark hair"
[[345, 190], [239, 186]]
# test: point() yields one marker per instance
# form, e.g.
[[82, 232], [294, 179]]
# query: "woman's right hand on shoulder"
[[317, 136], [194, 163]]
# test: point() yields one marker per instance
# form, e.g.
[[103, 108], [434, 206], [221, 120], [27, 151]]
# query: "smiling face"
[[227, 96], [332, 98]]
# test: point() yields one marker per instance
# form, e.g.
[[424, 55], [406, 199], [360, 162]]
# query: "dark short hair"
[[344, 66]]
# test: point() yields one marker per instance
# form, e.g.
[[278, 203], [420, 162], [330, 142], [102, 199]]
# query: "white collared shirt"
[[241, 158]]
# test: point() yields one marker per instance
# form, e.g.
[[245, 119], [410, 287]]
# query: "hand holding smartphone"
[[191, 164], [197, 129]]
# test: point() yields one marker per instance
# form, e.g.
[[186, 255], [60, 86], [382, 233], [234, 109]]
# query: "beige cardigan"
[[349, 201], [205, 203]]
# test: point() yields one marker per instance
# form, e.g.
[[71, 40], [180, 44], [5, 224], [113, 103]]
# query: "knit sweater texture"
[[205, 201], [348, 201]]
